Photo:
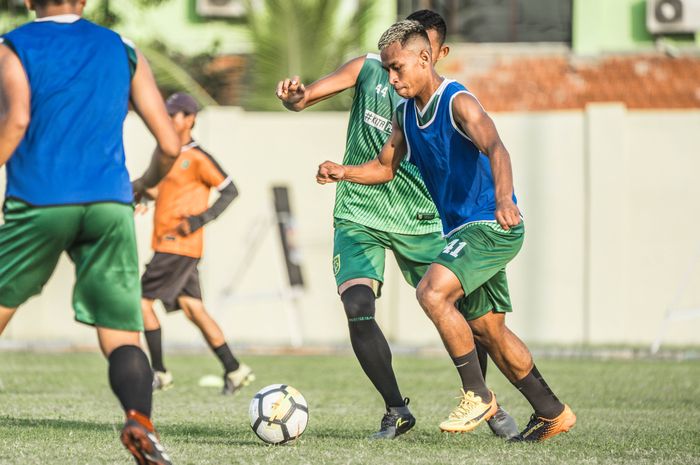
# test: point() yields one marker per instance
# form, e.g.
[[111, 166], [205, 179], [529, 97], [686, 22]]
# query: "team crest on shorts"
[[336, 264]]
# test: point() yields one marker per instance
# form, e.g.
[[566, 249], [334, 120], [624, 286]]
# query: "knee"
[[487, 331], [481, 338], [196, 315], [358, 302], [430, 298], [192, 312], [190, 316]]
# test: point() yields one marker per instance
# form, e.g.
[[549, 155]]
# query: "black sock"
[[369, 344], [131, 378], [540, 396], [155, 348], [483, 357], [227, 359], [470, 371]]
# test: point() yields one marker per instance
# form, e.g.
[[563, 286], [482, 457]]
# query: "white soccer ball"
[[278, 414]]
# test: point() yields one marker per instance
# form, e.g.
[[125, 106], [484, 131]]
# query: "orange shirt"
[[184, 192]]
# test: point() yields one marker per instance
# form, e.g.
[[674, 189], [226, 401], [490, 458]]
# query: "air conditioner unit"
[[221, 8], [673, 16]]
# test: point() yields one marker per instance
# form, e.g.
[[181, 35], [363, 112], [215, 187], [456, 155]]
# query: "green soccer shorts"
[[359, 252], [478, 254], [100, 240]]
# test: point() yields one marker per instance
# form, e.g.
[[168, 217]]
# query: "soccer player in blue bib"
[[400, 216], [65, 88], [443, 129]]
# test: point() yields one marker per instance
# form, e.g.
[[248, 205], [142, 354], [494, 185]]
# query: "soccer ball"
[[278, 414]]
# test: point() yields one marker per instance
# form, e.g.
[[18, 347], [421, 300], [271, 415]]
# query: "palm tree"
[[167, 72], [301, 37]]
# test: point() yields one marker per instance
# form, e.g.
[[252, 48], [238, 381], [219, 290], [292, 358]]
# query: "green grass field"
[[58, 409]]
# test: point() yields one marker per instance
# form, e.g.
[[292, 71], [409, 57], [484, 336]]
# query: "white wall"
[[609, 198]]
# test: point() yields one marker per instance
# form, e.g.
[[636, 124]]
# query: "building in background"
[[518, 55], [536, 55], [600, 117]]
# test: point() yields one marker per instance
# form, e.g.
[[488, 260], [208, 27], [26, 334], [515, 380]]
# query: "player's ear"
[[191, 120], [444, 51], [425, 57]]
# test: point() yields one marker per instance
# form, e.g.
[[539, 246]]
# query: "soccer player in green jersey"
[[400, 216], [443, 129]]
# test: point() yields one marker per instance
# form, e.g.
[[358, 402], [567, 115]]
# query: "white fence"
[[610, 199]]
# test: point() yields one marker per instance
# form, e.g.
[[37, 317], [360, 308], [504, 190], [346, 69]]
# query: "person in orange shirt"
[[181, 210]]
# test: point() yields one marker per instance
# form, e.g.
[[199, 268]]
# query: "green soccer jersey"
[[402, 205]]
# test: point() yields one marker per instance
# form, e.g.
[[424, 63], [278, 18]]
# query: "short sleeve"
[[209, 171], [399, 112], [369, 67], [131, 55]]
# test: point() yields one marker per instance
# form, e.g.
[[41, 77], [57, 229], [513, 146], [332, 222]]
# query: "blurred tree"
[[169, 74], [176, 72], [103, 14], [12, 14], [309, 38]]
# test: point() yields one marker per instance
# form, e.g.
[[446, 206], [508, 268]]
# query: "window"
[[500, 20]]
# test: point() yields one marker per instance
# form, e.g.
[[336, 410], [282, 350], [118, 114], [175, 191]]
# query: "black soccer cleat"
[[395, 422], [139, 437], [503, 425]]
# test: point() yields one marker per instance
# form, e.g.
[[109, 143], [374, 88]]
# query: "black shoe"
[[503, 425], [139, 437], [395, 422]]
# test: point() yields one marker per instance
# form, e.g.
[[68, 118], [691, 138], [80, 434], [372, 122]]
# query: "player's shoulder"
[[459, 92], [24, 32], [372, 63], [198, 152], [455, 87], [128, 43], [18, 30], [195, 150], [374, 57], [371, 74]]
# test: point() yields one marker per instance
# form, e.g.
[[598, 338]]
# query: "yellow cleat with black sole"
[[470, 413]]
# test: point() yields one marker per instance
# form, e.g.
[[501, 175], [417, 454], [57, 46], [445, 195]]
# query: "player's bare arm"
[[149, 105], [478, 125], [296, 96], [14, 103], [377, 171]]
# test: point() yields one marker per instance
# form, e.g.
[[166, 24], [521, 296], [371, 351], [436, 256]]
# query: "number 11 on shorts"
[[454, 247]]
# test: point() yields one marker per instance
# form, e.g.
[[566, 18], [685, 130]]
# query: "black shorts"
[[169, 276]]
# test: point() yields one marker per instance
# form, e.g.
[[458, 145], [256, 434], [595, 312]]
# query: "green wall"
[[614, 26], [177, 24]]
